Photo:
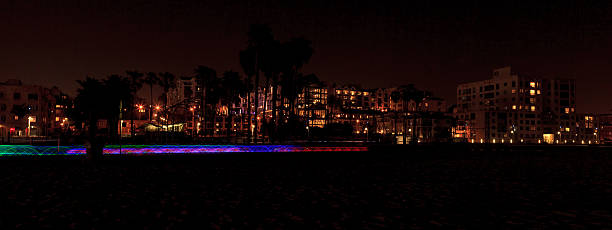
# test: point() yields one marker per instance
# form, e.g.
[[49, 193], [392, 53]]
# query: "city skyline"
[[432, 46]]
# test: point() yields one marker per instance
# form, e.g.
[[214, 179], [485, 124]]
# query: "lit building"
[[312, 105], [605, 128], [31, 110], [516, 107], [587, 129]]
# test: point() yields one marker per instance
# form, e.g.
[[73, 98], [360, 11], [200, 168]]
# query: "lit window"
[[567, 110], [539, 92], [567, 129], [532, 84], [513, 106], [514, 91], [57, 118], [532, 92], [533, 108]]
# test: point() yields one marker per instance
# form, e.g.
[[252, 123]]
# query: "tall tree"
[[151, 79], [247, 62], [259, 39], [123, 96], [232, 86], [296, 52], [89, 106], [136, 80], [167, 81], [205, 79]]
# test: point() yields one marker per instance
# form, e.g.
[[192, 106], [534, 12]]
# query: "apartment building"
[[516, 108], [31, 110]]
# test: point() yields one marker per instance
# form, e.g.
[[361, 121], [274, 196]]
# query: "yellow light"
[[532, 84], [532, 92]]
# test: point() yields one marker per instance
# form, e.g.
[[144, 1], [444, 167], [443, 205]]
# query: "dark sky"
[[434, 44]]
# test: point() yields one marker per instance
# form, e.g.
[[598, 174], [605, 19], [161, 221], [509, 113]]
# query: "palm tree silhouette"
[[205, 79], [135, 79], [232, 87], [151, 79], [167, 81], [259, 38], [122, 96], [247, 62], [89, 106]]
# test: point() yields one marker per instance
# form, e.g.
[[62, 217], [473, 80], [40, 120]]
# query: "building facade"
[[516, 108]]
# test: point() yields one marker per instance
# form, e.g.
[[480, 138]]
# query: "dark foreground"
[[387, 188]]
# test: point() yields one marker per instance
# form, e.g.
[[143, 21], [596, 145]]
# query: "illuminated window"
[[532, 92], [513, 106], [58, 106], [514, 91], [532, 84], [533, 108], [539, 92], [567, 129], [57, 118], [567, 110]]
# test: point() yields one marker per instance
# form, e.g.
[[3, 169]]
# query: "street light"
[[29, 125]]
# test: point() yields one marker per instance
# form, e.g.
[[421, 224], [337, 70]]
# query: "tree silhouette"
[[247, 62], [122, 97], [136, 79], [151, 79], [259, 38], [232, 87], [206, 78], [90, 106], [167, 81]]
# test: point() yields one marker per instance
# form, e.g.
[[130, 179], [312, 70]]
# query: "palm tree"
[[89, 107], [135, 79], [296, 53], [259, 38], [247, 62], [167, 81], [151, 79], [205, 77], [232, 87], [122, 96]]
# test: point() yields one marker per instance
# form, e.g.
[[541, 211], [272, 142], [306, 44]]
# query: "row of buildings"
[[508, 108], [31, 110]]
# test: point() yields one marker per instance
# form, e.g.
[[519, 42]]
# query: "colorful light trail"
[[169, 149]]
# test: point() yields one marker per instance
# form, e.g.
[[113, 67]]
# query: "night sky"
[[435, 45]]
